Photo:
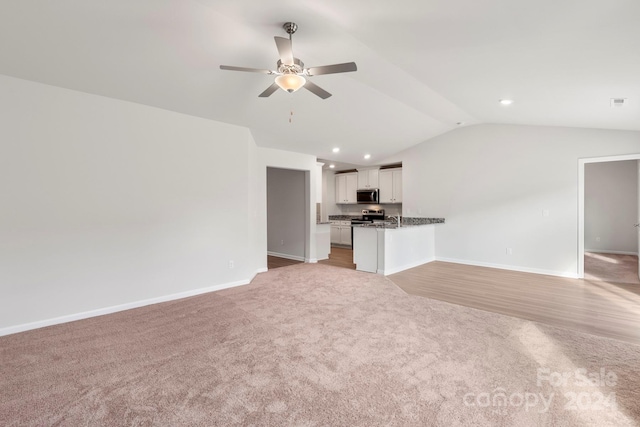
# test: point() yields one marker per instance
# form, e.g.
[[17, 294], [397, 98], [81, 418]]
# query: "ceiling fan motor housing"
[[290, 27], [296, 68]]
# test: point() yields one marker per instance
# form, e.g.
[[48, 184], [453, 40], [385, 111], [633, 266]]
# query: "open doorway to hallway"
[[287, 192], [610, 212]]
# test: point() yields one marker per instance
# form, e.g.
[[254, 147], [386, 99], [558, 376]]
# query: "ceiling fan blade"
[[314, 88], [250, 70], [284, 50], [274, 87], [332, 69]]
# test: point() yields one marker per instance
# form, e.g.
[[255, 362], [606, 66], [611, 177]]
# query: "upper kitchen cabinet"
[[346, 187], [391, 186], [368, 178]]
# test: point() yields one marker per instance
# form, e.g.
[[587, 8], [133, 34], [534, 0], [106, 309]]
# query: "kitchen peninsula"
[[386, 248]]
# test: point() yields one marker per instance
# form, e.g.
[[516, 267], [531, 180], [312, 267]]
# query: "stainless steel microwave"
[[369, 196]]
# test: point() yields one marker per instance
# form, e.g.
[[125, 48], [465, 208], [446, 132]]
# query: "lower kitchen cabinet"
[[341, 233], [335, 234]]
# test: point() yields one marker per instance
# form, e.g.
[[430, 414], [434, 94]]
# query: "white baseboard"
[[122, 307], [286, 256], [570, 275], [600, 251], [405, 266]]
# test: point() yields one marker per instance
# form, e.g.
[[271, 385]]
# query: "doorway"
[[287, 217], [608, 210]]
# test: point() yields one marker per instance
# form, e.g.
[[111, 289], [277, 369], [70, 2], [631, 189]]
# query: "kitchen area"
[[366, 222]]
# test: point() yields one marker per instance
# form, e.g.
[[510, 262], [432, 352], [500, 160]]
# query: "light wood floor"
[[611, 268], [339, 257], [598, 307], [277, 262], [601, 305]]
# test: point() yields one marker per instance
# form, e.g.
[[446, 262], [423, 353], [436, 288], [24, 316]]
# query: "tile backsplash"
[[355, 210]]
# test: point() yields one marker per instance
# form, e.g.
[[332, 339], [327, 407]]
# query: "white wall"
[[256, 254], [610, 207], [492, 183], [108, 203], [286, 213], [403, 248]]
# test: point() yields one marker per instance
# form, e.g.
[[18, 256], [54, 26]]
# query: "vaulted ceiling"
[[423, 66]]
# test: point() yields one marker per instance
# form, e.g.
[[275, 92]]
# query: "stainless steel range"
[[373, 215]]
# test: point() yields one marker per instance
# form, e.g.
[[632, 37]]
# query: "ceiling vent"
[[619, 102]]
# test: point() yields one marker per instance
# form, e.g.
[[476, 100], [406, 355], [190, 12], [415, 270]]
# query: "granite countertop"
[[323, 222], [390, 222], [407, 222], [421, 221], [343, 217]]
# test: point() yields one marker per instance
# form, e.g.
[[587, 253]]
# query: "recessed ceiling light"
[[332, 166], [506, 101], [367, 156], [335, 150]]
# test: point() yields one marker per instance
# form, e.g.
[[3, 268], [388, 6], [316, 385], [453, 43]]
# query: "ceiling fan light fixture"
[[291, 71], [290, 82]]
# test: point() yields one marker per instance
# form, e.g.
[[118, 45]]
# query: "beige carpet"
[[314, 345]]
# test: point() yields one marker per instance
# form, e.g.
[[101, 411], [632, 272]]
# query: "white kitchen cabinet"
[[368, 178], [335, 233], [341, 189], [341, 233], [346, 187], [391, 186], [345, 235], [397, 186]]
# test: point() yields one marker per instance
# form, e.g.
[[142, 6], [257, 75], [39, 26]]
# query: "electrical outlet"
[[281, 242], [230, 264], [598, 239], [509, 251]]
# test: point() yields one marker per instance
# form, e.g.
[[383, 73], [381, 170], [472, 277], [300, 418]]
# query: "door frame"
[[581, 173], [306, 177]]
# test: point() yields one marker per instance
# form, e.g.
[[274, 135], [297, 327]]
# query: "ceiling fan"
[[290, 71]]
